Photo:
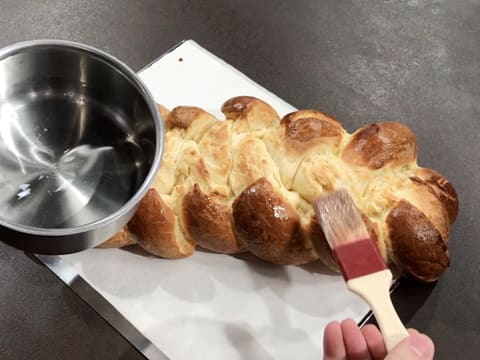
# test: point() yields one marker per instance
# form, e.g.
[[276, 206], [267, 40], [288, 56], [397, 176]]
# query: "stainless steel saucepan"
[[80, 143]]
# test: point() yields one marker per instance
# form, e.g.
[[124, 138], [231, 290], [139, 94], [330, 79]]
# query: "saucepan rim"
[[146, 95]]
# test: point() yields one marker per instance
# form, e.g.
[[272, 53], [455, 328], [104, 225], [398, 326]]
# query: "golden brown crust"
[[418, 247], [240, 106], [249, 113], [154, 226], [120, 239], [182, 117], [247, 183], [304, 129], [270, 226], [443, 189], [379, 144], [208, 221], [422, 196], [190, 122]]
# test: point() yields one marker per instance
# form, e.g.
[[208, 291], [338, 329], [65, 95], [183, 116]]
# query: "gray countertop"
[[414, 61]]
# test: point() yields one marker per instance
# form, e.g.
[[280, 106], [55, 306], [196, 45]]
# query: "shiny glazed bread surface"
[[247, 183]]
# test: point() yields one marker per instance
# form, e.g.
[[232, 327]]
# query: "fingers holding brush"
[[346, 341], [356, 344], [374, 339], [333, 345]]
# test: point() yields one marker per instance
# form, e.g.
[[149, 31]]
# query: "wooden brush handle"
[[375, 290]]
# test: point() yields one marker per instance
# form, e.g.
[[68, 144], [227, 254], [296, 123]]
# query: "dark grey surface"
[[415, 61]]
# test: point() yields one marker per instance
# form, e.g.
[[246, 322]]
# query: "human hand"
[[346, 341]]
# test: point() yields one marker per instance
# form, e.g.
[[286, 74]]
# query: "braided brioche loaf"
[[246, 184]]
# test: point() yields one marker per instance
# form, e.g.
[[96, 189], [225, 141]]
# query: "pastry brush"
[[362, 266]]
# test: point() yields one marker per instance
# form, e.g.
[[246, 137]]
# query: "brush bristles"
[[340, 219]]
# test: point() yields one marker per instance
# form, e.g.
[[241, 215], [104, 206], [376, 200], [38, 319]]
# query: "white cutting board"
[[212, 306]]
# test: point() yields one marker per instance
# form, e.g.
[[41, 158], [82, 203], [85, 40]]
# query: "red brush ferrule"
[[359, 258]]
